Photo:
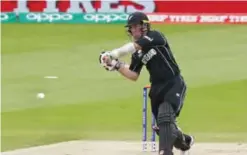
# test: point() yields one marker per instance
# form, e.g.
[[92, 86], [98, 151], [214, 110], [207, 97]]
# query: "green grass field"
[[87, 102]]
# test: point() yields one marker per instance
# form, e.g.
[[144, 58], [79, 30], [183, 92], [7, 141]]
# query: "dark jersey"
[[157, 56]]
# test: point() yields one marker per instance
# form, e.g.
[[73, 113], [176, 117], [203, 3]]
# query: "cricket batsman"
[[150, 48]]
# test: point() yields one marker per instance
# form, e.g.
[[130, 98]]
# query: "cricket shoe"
[[189, 140]]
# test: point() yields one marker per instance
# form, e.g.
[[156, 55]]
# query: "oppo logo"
[[106, 17], [41, 17], [4, 16]]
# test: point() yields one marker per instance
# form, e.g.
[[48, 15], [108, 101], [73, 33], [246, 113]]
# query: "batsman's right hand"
[[105, 57], [107, 61]]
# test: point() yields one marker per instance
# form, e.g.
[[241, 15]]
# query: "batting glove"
[[107, 61]]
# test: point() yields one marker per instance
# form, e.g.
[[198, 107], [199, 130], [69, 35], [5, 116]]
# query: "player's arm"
[[131, 71], [153, 39], [128, 48], [124, 70]]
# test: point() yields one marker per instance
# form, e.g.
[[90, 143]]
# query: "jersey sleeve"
[[152, 39], [136, 65]]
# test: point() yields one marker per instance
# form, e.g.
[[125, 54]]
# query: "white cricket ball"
[[41, 95]]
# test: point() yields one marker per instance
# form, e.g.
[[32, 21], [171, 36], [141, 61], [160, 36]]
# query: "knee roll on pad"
[[165, 118], [165, 113]]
